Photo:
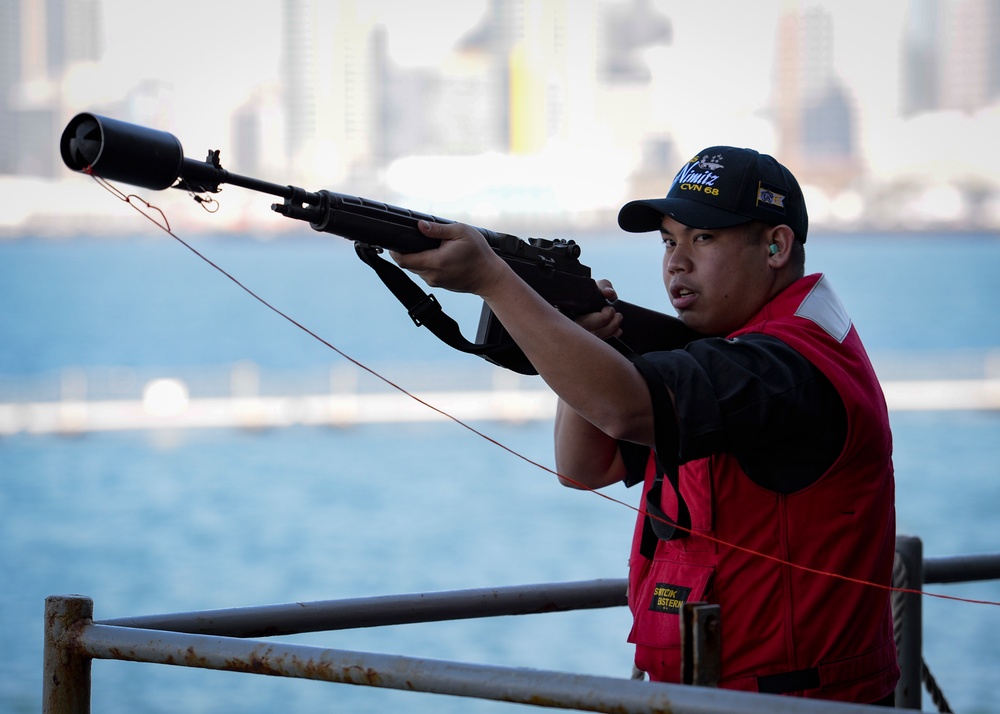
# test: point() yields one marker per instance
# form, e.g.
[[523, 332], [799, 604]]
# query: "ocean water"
[[148, 522]]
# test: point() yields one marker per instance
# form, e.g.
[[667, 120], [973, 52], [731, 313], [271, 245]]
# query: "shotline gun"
[[148, 158]]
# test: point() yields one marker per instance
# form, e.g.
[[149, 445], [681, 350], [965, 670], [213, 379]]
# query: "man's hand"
[[463, 263], [606, 323]]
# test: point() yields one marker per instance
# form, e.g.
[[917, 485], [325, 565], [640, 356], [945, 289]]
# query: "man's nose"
[[678, 260]]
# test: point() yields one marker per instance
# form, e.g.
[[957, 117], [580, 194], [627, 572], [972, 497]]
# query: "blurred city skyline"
[[541, 112]]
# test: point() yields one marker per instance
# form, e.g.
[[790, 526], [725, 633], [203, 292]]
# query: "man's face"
[[716, 279]]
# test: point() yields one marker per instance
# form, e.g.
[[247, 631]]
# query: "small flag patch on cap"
[[768, 196]]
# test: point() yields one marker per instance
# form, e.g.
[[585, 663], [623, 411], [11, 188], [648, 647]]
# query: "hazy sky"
[[717, 71], [212, 53], [215, 51]]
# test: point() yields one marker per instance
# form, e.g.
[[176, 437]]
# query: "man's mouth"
[[682, 297]]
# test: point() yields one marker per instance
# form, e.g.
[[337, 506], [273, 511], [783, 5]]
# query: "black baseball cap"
[[724, 186]]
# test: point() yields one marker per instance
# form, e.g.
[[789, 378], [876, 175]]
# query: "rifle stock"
[[153, 159]]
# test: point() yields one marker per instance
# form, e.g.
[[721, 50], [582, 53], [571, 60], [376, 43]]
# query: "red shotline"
[[164, 225]]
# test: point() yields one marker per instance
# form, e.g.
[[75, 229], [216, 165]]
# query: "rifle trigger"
[[427, 305]]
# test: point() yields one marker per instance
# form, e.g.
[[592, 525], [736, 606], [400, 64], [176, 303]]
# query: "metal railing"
[[217, 640], [911, 572]]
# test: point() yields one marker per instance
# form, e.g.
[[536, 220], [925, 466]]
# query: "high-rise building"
[[39, 41], [10, 68], [518, 45], [813, 113], [968, 54], [920, 67], [565, 72], [952, 57], [328, 56]]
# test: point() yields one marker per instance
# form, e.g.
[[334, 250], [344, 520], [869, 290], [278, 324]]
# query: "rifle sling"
[[423, 308], [425, 311]]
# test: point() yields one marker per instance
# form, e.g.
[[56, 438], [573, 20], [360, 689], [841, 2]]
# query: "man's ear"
[[779, 241]]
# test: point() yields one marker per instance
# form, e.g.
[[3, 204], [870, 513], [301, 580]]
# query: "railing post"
[[66, 672], [907, 610], [701, 644]]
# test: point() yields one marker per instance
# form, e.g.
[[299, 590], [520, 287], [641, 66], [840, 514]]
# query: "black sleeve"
[[757, 399], [635, 457]]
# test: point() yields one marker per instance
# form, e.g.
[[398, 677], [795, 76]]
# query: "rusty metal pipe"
[[66, 670], [515, 685], [296, 618]]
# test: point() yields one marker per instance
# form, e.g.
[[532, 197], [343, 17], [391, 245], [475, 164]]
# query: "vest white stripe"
[[823, 306]]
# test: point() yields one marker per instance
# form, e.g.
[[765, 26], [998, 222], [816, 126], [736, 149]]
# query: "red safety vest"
[[784, 629]]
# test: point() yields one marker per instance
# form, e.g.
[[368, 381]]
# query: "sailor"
[[763, 450]]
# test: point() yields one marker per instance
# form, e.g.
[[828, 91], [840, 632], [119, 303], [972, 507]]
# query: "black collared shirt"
[[753, 397]]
